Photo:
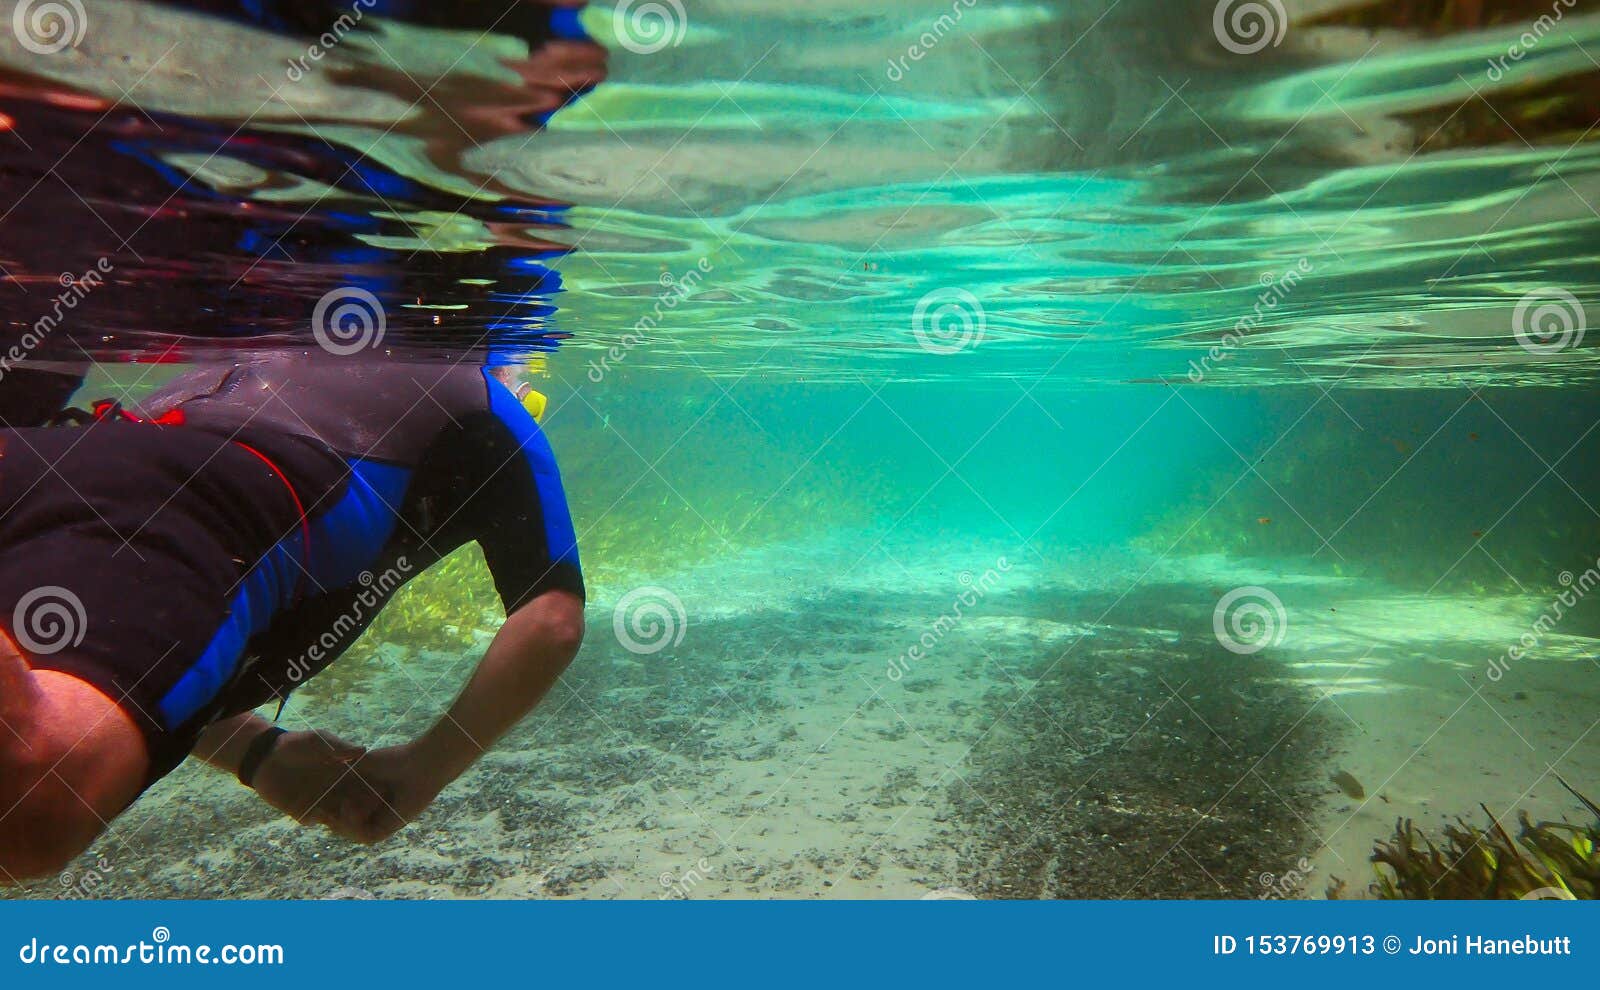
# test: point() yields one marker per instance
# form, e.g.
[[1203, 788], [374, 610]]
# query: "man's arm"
[[534, 646], [529, 653], [70, 761], [224, 743], [314, 777], [518, 514]]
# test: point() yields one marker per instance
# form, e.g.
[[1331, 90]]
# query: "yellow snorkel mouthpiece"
[[515, 378], [535, 402]]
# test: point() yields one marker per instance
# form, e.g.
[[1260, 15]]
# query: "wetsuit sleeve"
[[522, 521]]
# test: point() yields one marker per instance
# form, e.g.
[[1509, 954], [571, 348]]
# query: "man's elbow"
[[70, 760], [565, 635], [42, 830], [554, 621], [31, 861]]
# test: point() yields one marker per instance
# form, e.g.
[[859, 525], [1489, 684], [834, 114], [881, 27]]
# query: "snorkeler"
[[164, 574]]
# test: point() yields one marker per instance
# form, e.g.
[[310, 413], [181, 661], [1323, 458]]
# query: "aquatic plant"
[[1545, 860]]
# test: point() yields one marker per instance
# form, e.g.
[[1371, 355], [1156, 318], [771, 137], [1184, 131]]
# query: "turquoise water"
[[1019, 450]]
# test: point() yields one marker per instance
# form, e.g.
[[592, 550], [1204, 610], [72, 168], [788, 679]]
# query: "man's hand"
[[397, 786], [310, 777]]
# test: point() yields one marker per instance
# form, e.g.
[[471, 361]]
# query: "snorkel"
[[534, 401], [517, 378]]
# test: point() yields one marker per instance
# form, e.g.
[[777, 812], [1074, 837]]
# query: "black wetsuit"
[[208, 558]]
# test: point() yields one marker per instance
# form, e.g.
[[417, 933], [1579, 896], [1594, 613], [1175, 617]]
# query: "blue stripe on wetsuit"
[[346, 540], [559, 534]]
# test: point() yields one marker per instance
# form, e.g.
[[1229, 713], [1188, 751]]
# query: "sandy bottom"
[[1435, 725], [1065, 736]]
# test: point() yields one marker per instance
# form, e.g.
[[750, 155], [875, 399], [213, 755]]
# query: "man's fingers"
[[340, 751], [358, 808], [380, 827], [345, 762], [342, 816]]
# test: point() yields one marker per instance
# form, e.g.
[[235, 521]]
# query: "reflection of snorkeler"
[[465, 111], [163, 575]]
